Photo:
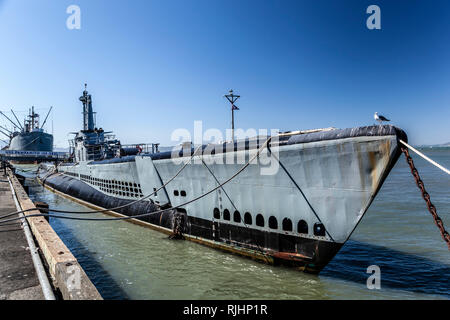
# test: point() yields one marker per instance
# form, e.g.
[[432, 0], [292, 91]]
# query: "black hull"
[[309, 255]]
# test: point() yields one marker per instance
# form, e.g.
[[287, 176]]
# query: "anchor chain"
[[445, 235], [177, 232]]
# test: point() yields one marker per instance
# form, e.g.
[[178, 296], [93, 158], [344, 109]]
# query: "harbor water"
[[398, 234]]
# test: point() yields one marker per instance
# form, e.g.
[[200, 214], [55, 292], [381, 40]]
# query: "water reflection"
[[399, 270]]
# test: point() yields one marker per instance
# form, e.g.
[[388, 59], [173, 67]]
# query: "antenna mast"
[[231, 97]]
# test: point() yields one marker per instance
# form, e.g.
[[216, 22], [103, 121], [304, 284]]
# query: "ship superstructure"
[[300, 214], [30, 136], [92, 143]]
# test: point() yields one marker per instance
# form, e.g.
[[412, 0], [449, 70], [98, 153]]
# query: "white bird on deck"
[[380, 118]]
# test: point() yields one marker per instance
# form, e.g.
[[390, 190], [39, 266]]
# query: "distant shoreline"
[[435, 146]]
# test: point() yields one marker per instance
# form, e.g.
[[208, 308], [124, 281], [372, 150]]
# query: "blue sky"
[[155, 66]]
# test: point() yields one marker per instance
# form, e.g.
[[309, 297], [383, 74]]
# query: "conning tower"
[[91, 143]]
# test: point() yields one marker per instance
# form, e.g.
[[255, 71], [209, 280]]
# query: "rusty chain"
[[445, 235]]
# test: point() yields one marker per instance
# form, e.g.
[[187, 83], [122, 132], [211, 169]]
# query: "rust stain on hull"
[[379, 159], [360, 165]]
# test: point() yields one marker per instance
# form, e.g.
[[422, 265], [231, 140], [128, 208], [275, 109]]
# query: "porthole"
[[260, 220], [237, 217], [248, 218], [287, 224], [183, 193], [273, 223], [302, 227], [176, 193]]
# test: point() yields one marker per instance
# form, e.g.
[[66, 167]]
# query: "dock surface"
[[18, 278]]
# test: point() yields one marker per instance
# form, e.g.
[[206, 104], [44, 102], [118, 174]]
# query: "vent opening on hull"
[[260, 220], [226, 215], [287, 224], [302, 227], [248, 218], [319, 229], [237, 217], [273, 223], [216, 213]]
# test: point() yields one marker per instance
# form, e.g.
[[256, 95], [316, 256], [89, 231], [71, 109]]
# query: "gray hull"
[[32, 141], [299, 214]]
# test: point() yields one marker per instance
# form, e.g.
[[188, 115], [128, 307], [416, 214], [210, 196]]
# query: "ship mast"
[[45, 120], [88, 114], [16, 119], [33, 117], [14, 124], [231, 97]]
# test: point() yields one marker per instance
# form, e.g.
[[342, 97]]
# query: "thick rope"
[[425, 157]]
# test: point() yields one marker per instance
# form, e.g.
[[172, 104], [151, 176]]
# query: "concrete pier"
[[18, 278]]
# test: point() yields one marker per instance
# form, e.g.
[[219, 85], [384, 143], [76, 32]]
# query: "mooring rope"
[[425, 157]]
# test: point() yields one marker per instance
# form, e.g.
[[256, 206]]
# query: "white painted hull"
[[326, 184]]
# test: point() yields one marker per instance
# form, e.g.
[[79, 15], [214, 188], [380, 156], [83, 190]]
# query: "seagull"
[[380, 118]]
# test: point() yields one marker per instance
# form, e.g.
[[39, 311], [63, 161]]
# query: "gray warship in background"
[[31, 136], [301, 215]]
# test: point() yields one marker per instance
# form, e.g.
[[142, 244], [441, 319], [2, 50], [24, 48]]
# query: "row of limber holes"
[[121, 188], [126, 189], [302, 225]]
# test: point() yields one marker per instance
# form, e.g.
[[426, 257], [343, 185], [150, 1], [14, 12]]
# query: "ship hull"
[[298, 215], [32, 141]]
